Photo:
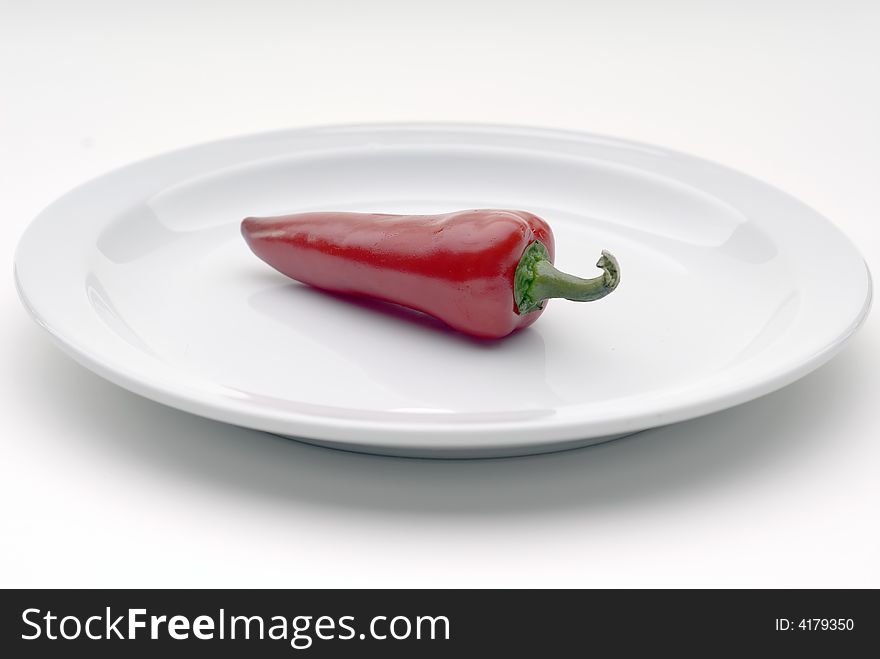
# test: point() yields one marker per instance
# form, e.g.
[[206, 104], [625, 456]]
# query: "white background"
[[101, 488]]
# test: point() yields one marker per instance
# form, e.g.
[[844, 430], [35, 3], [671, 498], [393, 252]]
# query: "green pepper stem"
[[550, 282], [539, 280]]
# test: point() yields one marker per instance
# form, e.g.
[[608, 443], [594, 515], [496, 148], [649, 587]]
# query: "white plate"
[[730, 289]]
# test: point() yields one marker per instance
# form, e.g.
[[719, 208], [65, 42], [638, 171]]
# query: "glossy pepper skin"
[[460, 267]]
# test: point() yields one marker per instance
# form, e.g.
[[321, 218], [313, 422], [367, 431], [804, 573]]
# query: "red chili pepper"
[[483, 272]]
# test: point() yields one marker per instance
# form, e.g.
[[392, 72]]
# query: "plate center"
[[702, 287]]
